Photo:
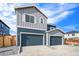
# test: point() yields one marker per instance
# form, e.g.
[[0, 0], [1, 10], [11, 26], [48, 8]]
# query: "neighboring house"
[[72, 38], [4, 29], [32, 28], [54, 37], [72, 34]]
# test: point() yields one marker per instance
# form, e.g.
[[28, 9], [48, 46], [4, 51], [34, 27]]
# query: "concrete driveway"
[[6, 51], [50, 51]]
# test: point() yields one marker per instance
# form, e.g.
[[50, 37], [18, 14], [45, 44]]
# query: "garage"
[[54, 37], [31, 39], [55, 40]]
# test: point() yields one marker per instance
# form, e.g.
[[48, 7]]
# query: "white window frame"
[[68, 34], [24, 15], [72, 34], [42, 19]]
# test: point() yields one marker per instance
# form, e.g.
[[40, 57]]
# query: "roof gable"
[[56, 30], [31, 7], [4, 23]]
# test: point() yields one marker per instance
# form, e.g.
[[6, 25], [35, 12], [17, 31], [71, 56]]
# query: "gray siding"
[[56, 34], [21, 19], [4, 29]]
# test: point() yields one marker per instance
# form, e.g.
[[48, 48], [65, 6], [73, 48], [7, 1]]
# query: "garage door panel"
[[55, 40], [30, 40]]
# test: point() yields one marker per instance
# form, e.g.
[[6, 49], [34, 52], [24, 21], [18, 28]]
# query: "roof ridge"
[[31, 7]]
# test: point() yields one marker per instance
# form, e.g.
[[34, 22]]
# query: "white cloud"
[[7, 16], [9, 22], [14, 17], [69, 27], [68, 6], [57, 7], [47, 12], [58, 12], [60, 17]]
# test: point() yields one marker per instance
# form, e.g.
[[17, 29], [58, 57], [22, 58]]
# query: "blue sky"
[[64, 15]]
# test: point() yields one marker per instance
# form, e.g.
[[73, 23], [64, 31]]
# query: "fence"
[[72, 41], [7, 40]]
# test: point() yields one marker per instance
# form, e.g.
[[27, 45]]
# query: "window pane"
[[32, 19], [73, 34], [41, 20], [27, 18]]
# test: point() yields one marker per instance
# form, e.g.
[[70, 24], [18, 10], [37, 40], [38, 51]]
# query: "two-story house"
[[31, 26], [4, 29]]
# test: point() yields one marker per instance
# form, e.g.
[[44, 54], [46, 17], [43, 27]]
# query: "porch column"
[[48, 40]]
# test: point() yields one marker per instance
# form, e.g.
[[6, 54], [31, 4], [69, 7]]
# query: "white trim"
[[31, 33], [20, 43], [49, 39], [23, 17], [56, 35], [34, 19], [16, 37], [31, 28], [62, 40], [28, 14], [43, 39]]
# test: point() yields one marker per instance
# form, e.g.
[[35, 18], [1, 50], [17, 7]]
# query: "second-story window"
[[29, 18], [42, 21]]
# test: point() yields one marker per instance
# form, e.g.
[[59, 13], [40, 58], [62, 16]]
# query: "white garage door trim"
[[59, 36], [34, 34], [31, 33]]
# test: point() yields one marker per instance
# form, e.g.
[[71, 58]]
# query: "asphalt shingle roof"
[[72, 32]]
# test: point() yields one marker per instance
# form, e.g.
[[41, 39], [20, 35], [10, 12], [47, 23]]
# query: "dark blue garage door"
[[55, 40], [30, 40]]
